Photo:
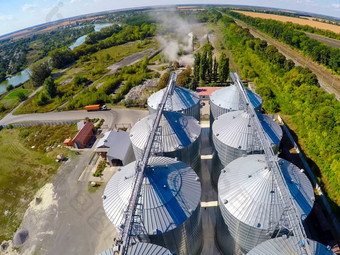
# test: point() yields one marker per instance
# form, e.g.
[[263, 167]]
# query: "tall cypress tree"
[[197, 66], [203, 65], [215, 68], [210, 66], [50, 87], [223, 67]]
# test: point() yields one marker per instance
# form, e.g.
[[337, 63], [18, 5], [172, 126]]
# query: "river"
[[24, 75], [81, 40]]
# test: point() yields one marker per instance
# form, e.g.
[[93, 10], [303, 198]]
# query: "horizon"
[[62, 10]]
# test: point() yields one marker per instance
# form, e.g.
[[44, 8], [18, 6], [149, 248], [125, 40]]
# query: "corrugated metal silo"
[[249, 199], [288, 245], [170, 195], [140, 249], [234, 136], [228, 99], [180, 100], [178, 136]]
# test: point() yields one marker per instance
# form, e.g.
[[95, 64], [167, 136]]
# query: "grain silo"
[[140, 249], [170, 199], [250, 201], [178, 136], [234, 135], [289, 245], [228, 99], [179, 100]]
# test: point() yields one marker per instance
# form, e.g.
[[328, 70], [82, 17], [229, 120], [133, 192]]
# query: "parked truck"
[[95, 107]]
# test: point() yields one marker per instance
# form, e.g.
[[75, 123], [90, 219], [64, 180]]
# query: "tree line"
[[293, 92], [288, 33]]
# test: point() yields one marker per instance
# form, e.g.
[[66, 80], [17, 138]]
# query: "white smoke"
[[181, 36]]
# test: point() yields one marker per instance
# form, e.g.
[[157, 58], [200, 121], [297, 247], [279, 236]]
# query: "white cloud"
[[27, 7], [6, 17], [336, 5], [74, 1]]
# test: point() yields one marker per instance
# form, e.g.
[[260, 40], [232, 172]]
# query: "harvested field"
[[300, 21], [328, 41]]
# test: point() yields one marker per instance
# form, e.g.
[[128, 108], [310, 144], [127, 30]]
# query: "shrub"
[[9, 87]]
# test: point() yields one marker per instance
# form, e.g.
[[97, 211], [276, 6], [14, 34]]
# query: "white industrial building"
[[116, 148]]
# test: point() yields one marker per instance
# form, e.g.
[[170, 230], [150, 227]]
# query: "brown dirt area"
[[301, 21]]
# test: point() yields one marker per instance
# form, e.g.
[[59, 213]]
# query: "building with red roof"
[[205, 92], [83, 136]]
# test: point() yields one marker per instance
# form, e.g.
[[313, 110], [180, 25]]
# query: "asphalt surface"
[[111, 116]]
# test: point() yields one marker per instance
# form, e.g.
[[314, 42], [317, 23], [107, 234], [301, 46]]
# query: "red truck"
[[95, 107]]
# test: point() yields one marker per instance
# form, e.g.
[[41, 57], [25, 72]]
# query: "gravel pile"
[[137, 92]]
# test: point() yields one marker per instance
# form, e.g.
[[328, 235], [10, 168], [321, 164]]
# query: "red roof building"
[[84, 135], [205, 92]]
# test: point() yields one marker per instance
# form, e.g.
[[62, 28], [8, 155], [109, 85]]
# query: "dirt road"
[[329, 82]]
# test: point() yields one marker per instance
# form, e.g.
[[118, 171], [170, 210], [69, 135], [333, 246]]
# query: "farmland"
[[300, 21]]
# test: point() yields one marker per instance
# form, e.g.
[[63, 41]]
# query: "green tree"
[[21, 96], [163, 81], [9, 87], [50, 87], [210, 66], [62, 57], [39, 72], [197, 66], [42, 99], [183, 78], [203, 65], [223, 67], [2, 108], [215, 70]]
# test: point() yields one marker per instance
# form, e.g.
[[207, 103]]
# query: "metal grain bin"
[[178, 136], [140, 249], [288, 245], [249, 199], [233, 136], [171, 193], [228, 99], [180, 100]]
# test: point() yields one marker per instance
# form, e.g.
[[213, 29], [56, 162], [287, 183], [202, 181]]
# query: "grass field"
[[15, 93], [301, 21], [11, 100], [24, 170]]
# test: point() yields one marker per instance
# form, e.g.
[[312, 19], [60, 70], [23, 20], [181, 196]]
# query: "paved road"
[[111, 117], [329, 82]]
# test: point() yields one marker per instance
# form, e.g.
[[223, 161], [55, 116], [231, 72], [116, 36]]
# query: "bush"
[[9, 87], [43, 99], [100, 169], [24, 133], [21, 96], [2, 108]]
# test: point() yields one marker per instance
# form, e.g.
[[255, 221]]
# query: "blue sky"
[[18, 14]]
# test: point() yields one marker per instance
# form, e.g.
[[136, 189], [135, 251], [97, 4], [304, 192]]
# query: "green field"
[[11, 100], [24, 170], [15, 93]]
